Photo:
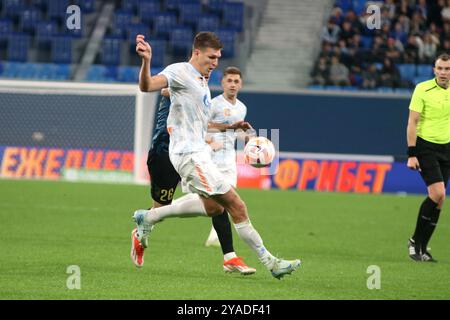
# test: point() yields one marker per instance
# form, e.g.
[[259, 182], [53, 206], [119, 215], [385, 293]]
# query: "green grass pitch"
[[45, 227]]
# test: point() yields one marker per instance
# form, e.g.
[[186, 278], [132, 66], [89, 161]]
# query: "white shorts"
[[229, 175], [199, 174]]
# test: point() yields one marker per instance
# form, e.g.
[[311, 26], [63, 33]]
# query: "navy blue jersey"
[[160, 141]]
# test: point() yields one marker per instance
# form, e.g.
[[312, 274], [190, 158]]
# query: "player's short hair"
[[207, 39], [443, 57], [232, 70]]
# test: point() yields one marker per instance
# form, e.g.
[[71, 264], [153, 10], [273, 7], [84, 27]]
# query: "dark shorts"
[[434, 161], [164, 179]]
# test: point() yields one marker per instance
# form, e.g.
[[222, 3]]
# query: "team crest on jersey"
[[206, 101], [227, 112]]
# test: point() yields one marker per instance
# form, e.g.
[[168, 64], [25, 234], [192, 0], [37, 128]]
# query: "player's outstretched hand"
[[143, 48], [243, 125], [413, 163]]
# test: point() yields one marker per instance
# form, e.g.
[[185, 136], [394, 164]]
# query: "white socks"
[[187, 206], [252, 238]]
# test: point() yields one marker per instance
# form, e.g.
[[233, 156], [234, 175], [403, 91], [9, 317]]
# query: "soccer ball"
[[259, 152]]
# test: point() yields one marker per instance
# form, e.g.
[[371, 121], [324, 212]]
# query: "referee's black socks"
[[223, 228], [426, 223]]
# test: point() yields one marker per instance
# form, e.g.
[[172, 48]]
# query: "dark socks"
[[223, 228], [426, 223]]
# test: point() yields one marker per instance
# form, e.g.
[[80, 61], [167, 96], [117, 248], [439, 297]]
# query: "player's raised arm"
[[147, 83]]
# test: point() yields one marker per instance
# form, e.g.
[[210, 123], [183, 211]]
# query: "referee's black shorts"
[[434, 161], [163, 176]]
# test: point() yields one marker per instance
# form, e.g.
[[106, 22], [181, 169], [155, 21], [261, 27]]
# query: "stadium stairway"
[[287, 44]]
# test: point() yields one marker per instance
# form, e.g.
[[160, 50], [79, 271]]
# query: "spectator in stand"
[[445, 13], [389, 74], [411, 54], [404, 7], [337, 15], [394, 50], [321, 72], [389, 5], [339, 74], [421, 7], [330, 33], [418, 23], [370, 77], [404, 22], [434, 13], [399, 34], [444, 48], [354, 21], [346, 31], [378, 50], [430, 46]]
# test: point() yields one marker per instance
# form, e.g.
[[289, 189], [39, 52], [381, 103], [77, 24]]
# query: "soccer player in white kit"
[[226, 109], [190, 155]]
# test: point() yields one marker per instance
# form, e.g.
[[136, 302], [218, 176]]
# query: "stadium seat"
[[57, 9], [61, 49], [13, 8], [190, 12], [359, 6], [100, 73], [29, 18], [130, 6], [385, 90], [315, 87], [158, 52], [418, 79], [407, 71], [403, 90], [216, 78], [128, 74], [216, 5], [207, 22], [148, 9], [121, 21], [45, 31], [227, 36], [86, 6], [424, 70], [181, 40], [133, 30], [366, 42], [18, 47], [164, 23], [6, 28], [233, 15], [345, 5], [110, 53]]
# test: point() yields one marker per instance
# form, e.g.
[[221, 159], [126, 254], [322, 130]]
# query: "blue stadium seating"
[[61, 49], [359, 6], [121, 20], [227, 37], [207, 22], [158, 52], [130, 6], [148, 10], [86, 6], [181, 40], [407, 71], [128, 74], [164, 23], [57, 9], [29, 19], [6, 28], [18, 47], [216, 5], [233, 15], [110, 53], [190, 12], [135, 29], [13, 8], [424, 70], [45, 31]]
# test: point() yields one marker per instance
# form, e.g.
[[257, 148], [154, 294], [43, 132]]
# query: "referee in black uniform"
[[428, 136]]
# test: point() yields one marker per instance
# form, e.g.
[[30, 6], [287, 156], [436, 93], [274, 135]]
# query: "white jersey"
[[190, 98], [222, 111]]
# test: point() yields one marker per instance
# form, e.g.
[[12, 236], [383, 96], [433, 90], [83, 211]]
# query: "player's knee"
[[212, 208], [437, 195]]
